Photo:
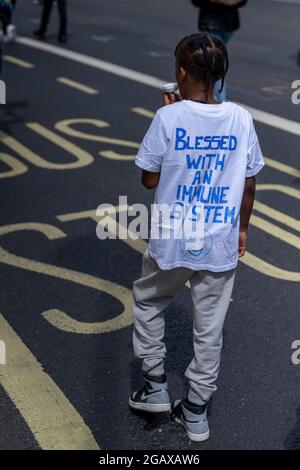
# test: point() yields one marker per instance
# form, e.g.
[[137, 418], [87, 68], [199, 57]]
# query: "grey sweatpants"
[[211, 293]]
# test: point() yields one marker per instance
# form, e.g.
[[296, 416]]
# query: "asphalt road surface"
[[69, 132]]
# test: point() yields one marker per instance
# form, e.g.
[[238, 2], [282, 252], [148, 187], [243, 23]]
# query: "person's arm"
[[245, 214], [151, 152], [150, 179]]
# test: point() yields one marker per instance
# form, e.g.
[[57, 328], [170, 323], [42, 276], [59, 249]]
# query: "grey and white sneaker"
[[192, 417], [11, 34], [153, 397]]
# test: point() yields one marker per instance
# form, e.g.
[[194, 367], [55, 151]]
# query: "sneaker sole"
[[151, 407], [192, 436]]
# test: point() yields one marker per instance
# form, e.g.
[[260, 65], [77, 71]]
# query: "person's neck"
[[201, 96], [203, 99]]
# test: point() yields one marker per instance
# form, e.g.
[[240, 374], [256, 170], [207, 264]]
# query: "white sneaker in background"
[[11, 34]]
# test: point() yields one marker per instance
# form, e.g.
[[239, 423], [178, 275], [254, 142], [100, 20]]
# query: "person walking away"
[[202, 157], [220, 17], [62, 10], [8, 31]]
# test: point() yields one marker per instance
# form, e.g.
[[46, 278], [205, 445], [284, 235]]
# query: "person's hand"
[[170, 98], [243, 242]]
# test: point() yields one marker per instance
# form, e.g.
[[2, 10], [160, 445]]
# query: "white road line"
[[93, 62], [264, 117], [159, 54], [274, 121], [104, 39], [296, 2]]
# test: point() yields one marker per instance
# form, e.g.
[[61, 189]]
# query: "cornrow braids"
[[204, 56]]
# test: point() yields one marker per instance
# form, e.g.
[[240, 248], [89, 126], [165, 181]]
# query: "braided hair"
[[204, 56]]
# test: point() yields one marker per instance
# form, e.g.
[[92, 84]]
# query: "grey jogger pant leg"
[[211, 294]]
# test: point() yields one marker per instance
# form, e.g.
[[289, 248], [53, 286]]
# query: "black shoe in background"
[[39, 34], [62, 38]]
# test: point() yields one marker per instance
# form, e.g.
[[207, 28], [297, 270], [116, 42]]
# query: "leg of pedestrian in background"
[[1, 51], [5, 19], [225, 37], [62, 9], [211, 294], [47, 7], [10, 31], [222, 19], [151, 295]]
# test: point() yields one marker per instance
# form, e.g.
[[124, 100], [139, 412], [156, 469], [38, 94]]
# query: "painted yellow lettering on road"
[[120, 231], [16, 167], [57, 317], [67, 128], [52, 419], [83, 158], [111, 155]]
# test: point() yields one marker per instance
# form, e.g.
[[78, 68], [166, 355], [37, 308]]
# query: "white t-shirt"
[[203, 153]]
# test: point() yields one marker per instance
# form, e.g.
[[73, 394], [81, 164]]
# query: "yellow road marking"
[[143, 112], [292, 192], [16, 167], [112, 155], [275, 231], [57, 317], [89, 214], [138, 245], [278, 216], [21, 63], [82, 157], [52, 419], [289, 170], [78, 86], [66, 128], [269, 269]]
